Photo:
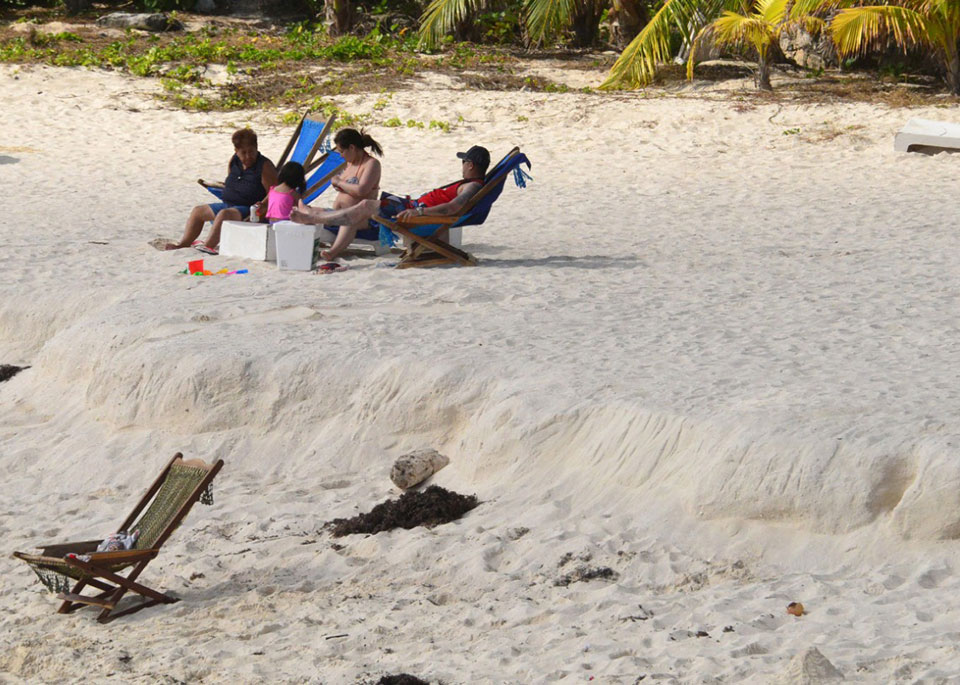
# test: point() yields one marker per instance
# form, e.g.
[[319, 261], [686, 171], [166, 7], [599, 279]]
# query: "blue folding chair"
[[420, 230]]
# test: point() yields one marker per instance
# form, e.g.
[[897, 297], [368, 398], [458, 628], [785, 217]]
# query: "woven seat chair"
[[157, 514]]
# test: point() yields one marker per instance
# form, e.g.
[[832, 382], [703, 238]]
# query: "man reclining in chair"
[[443, 201]]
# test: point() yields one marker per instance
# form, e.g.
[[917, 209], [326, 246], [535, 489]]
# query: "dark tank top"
[[244, 187]]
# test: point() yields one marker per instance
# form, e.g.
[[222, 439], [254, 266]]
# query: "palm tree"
[[759, 27], [543, 19], [933, 23], [653, 46]]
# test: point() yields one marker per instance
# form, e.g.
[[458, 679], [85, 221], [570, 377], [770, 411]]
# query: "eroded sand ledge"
[[708, 355]]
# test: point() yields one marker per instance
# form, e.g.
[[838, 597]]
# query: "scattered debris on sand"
[[585, 574]]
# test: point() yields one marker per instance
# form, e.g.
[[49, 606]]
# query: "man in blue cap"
[[443, 201]]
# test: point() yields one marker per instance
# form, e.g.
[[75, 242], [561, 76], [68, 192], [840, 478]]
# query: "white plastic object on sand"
[[926, 133]]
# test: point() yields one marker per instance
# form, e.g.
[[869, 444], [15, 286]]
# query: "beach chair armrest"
[[211, 184], [59, 550], [122, 556], [429, 220]]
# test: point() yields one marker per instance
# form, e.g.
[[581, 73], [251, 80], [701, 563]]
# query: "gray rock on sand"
[[810, 668], [416, 467], [143, 21]]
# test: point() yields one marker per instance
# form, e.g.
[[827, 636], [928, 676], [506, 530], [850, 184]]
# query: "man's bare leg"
[[200, 215]]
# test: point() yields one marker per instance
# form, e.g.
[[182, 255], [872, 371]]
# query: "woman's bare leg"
[[350, 216], [345, 236], [200, 215]]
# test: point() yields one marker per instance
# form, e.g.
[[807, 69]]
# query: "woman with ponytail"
[[360, 180]]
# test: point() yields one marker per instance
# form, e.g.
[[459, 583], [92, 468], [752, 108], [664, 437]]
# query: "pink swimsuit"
[[279, 205]]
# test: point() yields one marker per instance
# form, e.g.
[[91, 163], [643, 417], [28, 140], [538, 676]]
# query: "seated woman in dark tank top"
[[249, 176]]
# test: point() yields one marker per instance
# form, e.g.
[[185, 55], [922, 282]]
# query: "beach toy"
[[195, 268]]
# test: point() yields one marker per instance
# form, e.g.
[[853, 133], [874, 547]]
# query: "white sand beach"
[[711, 346]]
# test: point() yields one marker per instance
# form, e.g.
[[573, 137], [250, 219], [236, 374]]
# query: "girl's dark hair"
[[292, 174], [350, 136]]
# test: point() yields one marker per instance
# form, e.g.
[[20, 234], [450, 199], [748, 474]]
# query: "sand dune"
[[709, 348]]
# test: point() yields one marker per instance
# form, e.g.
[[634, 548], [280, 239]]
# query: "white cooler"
[[244, 239], [298, 247]]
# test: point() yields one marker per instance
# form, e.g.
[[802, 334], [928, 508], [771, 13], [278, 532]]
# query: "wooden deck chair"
[[420, 230], [157, 514], [306, 141]]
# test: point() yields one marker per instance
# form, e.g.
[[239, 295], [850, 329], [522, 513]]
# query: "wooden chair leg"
[[67, 605], [107, 616], [446, 254]]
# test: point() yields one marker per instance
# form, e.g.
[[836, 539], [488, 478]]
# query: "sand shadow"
[[584, 262], [931, 150], [8, 160]]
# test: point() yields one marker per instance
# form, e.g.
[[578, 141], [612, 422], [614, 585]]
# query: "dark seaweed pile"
[[401, 679], [8, 371], [429, 508]]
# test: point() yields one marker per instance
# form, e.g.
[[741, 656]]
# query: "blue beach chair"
[[306, 141], [420, 230]]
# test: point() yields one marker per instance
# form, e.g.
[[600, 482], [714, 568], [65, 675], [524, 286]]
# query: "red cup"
[[195, 266]]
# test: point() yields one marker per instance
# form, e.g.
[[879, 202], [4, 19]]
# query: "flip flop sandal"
[[206, 250], [330, 267], [196, 242]]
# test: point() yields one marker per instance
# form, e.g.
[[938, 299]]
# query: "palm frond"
[[442, 16], [943, 21], [801, 9], [547, 17], [856, 28], [772, 11], [736, 29], [813, 25], [637, 64]]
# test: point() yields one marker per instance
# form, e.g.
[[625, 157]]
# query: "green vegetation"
[[308, 62]]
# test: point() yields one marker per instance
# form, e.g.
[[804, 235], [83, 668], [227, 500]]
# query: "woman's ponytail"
[[369, 142]]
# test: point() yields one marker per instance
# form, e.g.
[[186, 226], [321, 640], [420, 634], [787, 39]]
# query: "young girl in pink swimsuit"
[[284, 197]]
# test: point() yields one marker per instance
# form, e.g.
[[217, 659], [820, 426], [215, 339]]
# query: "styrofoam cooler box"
[[244, 239], [298, 246], [456, 237]]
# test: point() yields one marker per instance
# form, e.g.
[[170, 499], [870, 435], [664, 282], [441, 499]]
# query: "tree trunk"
[[627, 18], [466, 29], [763, 72], [586, 23], [338, 16], [953, 70]]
